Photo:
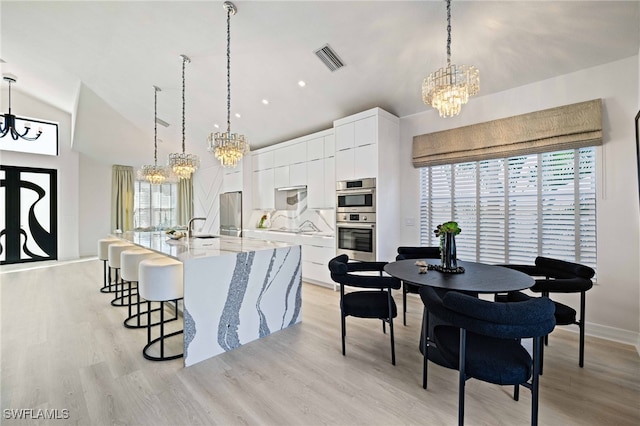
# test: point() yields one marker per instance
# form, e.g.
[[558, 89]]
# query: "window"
[[155, 205], [512, 210]]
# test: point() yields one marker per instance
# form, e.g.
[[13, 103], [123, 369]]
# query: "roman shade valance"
[[566, 127]]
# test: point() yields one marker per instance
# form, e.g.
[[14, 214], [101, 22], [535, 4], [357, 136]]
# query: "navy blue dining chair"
[[481, 339], [374, 300], [406, 252], [558, 276]]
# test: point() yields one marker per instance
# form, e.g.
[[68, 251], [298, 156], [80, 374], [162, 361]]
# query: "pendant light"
[[447, 89], [183, 164], [152, 172], [8, 128], [228, 147]]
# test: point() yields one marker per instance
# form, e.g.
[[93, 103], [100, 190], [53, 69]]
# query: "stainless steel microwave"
[[356, 196]]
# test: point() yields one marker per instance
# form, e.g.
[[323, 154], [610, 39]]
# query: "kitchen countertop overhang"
[[192, 248]]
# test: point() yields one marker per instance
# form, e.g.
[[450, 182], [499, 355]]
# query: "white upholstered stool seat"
[[103, 254], [129, 262], [115, 249], [160, 280]]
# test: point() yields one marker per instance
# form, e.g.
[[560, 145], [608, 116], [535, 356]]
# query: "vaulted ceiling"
[[120, 49]]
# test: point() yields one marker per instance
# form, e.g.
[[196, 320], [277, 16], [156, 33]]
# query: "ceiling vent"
[[329, 57]]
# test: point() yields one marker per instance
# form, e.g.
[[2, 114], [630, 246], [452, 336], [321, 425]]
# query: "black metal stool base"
[[137, 317], [162, 337], [161, 340], [110, 288], [107, 285], [130, 291]]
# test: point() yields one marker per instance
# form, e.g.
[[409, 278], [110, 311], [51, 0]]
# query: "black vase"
[[448, 251]]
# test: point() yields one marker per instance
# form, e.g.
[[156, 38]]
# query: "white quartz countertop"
[[192, 248]]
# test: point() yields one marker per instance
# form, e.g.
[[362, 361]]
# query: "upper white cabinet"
[[290, 165], [356, 148], [232, 177], [262, 161], [315, 149], [345, 136], [321, 179], [263, 195]]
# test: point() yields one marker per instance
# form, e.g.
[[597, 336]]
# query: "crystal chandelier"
[[183, 164], [9, 126], [447, 89], [228, 147], [152, 172]]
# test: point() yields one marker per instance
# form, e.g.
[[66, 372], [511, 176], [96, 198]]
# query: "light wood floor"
[[63, 347]]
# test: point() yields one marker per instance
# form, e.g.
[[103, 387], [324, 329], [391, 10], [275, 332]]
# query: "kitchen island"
[[236, 290]]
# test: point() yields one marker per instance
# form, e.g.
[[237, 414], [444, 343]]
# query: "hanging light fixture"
[[447, 89], [8, 128], [152, 172], [228, 147], [183, 164]]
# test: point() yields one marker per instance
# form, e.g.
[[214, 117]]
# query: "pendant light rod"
[[231, 10], [155, 124], [185, 61]]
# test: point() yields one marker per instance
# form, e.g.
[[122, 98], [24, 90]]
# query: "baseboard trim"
[[611, 333]]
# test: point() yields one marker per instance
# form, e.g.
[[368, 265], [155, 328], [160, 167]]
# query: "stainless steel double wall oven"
[[356, 219]]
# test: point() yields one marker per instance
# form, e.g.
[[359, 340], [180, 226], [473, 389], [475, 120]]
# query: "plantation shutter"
[[512, 210]]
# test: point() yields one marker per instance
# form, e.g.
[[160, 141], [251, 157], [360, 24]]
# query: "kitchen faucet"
[[190, 224]]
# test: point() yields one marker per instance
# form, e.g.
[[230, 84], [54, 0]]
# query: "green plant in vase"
[[447, 232]]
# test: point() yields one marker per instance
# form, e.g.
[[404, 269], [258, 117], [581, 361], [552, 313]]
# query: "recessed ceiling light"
[[265, 101], [302, 83], [237, 115], [216, 126]]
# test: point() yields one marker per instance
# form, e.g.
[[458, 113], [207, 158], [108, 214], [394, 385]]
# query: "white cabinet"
[[293, 175], [329, 145], [291, 154], [281, 177], [315, 184], [232, 178], [232, 182], [356, 149], [290, 165], [298, 174], [364, 132], [262, 161], [365, 162], [263, 195], [344, 164], [321, 183], [315, 149], [330, 182], [316, 254]]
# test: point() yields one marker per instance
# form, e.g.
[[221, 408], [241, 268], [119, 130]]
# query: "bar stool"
[[160, 280], [115, 249], [103, 254], [130, 261]]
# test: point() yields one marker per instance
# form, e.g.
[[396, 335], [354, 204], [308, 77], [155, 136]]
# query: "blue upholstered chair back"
[[531, 318]]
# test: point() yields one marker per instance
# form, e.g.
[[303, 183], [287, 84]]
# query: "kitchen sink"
[[205, 236]]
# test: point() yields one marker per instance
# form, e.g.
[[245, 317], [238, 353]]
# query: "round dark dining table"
[[477, 277]]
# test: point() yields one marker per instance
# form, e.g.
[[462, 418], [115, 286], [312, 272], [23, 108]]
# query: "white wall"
[[95, 203], [97, 125], [613, 305], [66, 163]]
